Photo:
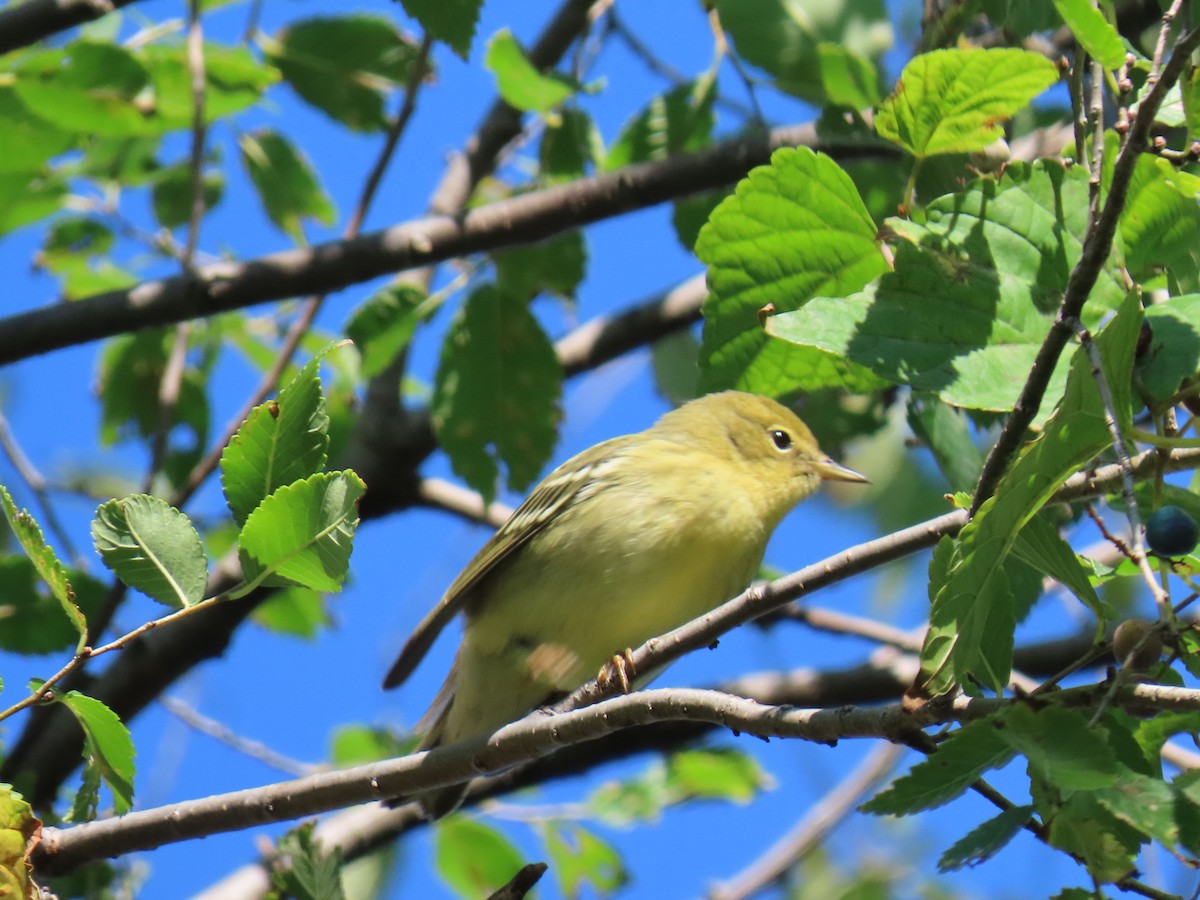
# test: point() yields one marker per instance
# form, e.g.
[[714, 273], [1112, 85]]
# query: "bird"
[[624, 541]]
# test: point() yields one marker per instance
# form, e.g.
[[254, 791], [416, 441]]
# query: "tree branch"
[[531, 217], [35, 20]]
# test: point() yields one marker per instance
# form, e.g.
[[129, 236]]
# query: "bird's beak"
[[833, 471]]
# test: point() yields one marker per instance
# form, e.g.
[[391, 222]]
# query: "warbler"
[[625, 541]]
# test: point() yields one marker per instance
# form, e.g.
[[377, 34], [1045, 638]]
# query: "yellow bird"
[[625, 541]]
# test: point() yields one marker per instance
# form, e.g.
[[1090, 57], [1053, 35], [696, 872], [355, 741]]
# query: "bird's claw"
[[618, 672]]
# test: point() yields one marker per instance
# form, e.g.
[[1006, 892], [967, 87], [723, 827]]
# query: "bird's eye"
[[783, 440]]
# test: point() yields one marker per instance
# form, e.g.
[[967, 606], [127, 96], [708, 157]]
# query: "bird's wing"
[[570, 483]]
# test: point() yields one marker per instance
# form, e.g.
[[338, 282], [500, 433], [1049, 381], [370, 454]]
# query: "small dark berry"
[[1172, 531]]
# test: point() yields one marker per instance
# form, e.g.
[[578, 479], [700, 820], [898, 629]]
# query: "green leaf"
[[26, 198], [285, 181], [986, 840], [794, 230], [953, 101], [314, 873], [520, 83], [689, 215], [1161, 219], [1040, 544], [298, 612], [1186, 787], [354, 745], [580, 860], [343, 65], [85, 805], [106, 745], [569, 145], [1093, 31], [496, 393], [849, 79], [36, 621], [675, 361], [473, 858], [971, 620], [783, 37], [947, 433], [89, 88], [1144, 803], [450, 21], [958, 762], [280, 442], [383, 326], [234, 79], [1108, 846], [303, 533], [556, 266], [679, 121], [715, 774], [74, 237], [1174, 351], [45, 561], [172, 194], [974, 294], [1062, 749], [29, 141], [151, 546]]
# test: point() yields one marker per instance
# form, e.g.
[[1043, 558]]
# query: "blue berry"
[[1172, 531]]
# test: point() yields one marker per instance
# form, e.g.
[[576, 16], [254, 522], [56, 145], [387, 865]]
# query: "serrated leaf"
[[520, 83], [343, 65], [569, 145], [679, 121], [971, 619], [234, 79], [957, 763], [382, 326], [107, 745], [302, 533], [1062, 749], [783, 37], [286, 183], [793, 230], [153, 547], [1145, 803], [1082, 826], [451, 21], [280, 442], [496, 392], [1092, 30], [314, 873], [972, 297], [953, 101], [45, 560], [474, 859], [986, 840], [1040, 544]]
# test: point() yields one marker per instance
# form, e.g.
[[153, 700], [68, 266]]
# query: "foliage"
[[954, 274]]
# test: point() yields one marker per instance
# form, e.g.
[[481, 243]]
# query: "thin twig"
[[1137, 547], [36, 483], [813, 828], [300, 327], [219, 731], [1096, 248], [1160, 45]]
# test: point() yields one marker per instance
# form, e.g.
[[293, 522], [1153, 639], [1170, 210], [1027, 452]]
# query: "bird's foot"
[[618, 672]]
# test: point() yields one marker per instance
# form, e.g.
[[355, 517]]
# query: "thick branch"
[[327, 267], [534, 737], [35, 20]]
